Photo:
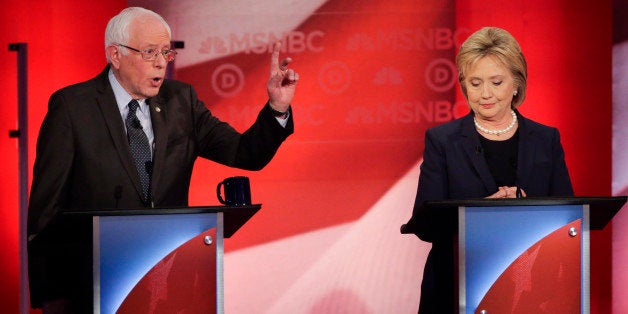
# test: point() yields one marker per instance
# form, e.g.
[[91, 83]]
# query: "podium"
[[161, 260], [524, 255]]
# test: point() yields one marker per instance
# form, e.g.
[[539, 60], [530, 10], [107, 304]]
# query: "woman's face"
[[490, 89]]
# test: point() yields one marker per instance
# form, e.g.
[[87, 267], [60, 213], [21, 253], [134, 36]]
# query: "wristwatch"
[[278, 113]]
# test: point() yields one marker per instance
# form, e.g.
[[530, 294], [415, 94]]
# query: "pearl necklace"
[[497, 132]]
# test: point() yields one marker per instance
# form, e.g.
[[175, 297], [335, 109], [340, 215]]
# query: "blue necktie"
[[139, 148]]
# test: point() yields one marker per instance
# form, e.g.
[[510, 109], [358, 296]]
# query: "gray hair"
[[117, 31]]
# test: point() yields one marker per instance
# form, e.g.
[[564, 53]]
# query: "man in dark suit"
[[84, 150]]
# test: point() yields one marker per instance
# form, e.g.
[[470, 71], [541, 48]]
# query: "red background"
[[568, 46]]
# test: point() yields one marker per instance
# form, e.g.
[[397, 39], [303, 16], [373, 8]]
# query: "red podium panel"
[[523, 258], [547, 276], [166, 260], [528, 255]]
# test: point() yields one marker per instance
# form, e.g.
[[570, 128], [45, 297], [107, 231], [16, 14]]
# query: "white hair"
[[117, 31]]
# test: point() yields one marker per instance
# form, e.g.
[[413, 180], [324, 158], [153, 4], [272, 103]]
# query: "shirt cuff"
[[283, 121]]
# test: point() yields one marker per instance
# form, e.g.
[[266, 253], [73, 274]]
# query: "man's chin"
[[151, 92]]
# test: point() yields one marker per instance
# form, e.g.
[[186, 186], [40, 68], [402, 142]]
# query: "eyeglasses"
[[151, 54]]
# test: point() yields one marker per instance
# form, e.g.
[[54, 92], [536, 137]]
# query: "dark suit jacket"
[[84, 161], [454, 168]]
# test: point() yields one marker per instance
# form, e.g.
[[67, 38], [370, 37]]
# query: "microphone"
[[117, 194], [479, 149], [148, 165], [518, 193], [136, 124]]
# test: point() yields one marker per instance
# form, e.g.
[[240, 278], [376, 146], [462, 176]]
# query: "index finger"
[[274, 58]]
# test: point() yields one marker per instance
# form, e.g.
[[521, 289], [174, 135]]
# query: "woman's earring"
[[514, 93]]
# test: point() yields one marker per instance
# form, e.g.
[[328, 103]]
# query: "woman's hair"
[[117, 31], [496, 42]]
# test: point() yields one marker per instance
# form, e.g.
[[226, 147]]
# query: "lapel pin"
[[157, 109]]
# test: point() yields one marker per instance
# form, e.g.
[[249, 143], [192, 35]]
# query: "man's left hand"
[[282, 82]]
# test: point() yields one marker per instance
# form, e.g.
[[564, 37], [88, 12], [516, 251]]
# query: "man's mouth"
[[156, 81]]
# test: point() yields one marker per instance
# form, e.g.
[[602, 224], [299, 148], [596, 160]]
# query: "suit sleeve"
[[250, 150], [560, 181], [53, 162], [432, 186]]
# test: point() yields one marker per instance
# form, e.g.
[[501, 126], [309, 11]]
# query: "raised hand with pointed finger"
[[282, 82]]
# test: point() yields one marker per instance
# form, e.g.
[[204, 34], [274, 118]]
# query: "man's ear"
[[114, 54]]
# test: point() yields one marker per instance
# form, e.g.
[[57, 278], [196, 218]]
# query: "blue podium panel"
[[502, 243], [129, 248]]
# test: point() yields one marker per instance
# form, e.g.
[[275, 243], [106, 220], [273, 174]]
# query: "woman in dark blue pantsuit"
[[489, 153]]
